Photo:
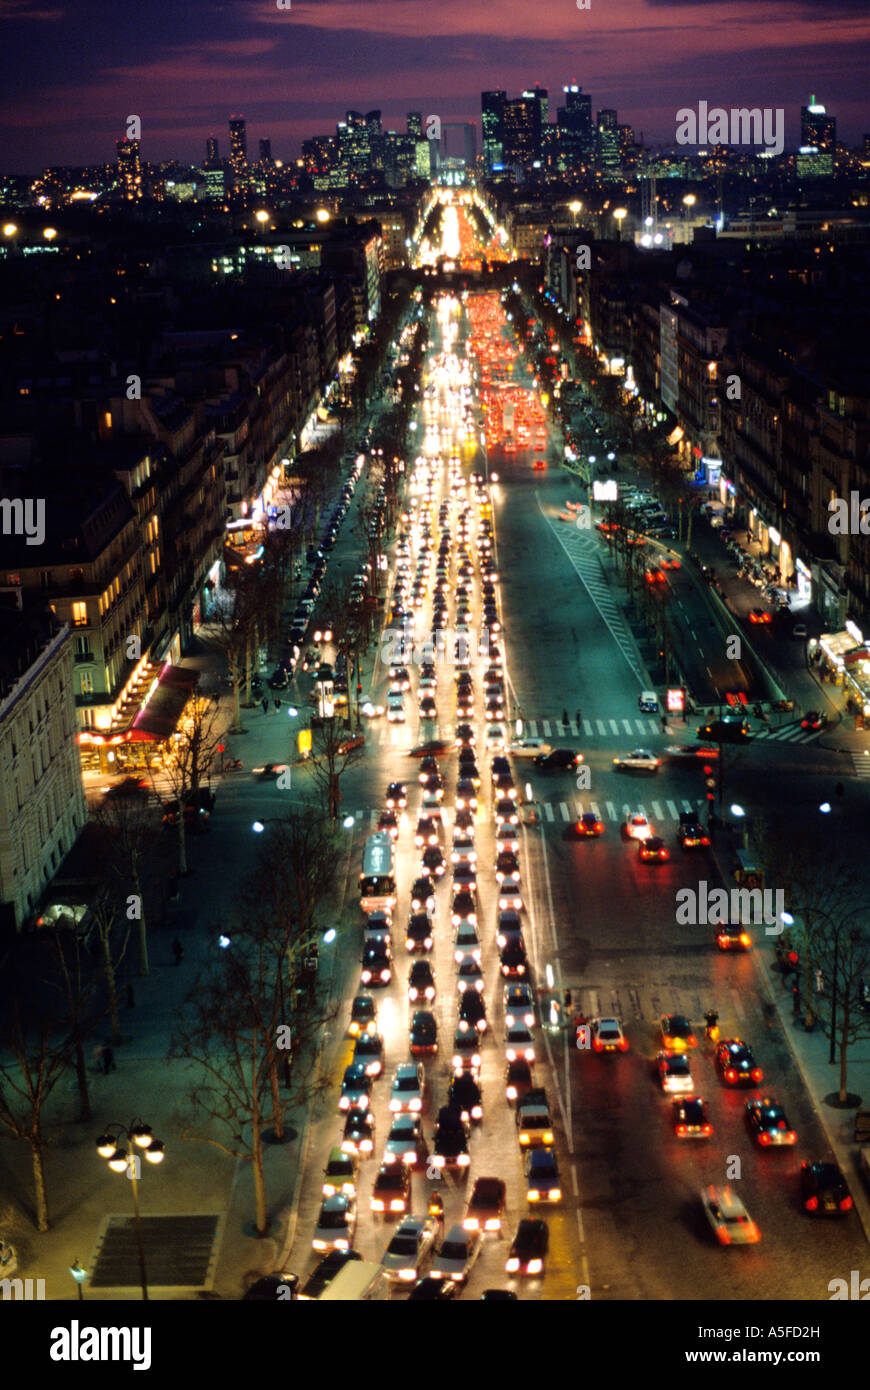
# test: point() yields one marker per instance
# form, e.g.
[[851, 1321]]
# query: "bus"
[[377, 882]]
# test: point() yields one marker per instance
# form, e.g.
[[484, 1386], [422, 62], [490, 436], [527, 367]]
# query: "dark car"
[[518, 1079], [691, 833], [465, 1096], [376, 967], [824, 1190], [472, 1009], [433, 860], [813, 719], [732, 936], [419, 933], [431, 1289], [423, 894], [423, 1033], [392, 1189], [529, 1247], [736, 1064], [450, 1144], [513, 960], [725, 731], [273, 1288], [434, 747], [559, 760], [485, 1205], [279, 679]]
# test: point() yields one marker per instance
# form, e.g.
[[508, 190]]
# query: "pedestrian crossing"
[[862, 764], [396, 735], [645, 1003], [567, 812]]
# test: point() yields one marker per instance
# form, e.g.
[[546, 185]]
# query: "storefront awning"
[[158, 719]]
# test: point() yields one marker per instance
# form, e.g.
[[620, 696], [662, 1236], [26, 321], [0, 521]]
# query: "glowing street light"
[[619, 214], [322, 215]]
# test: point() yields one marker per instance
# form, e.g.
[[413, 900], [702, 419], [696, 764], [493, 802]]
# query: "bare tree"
[[251, 1013], [332, 753], [842, 955], [189, 760], [130, 834]]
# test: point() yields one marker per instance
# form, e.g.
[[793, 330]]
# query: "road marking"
[[531, 727], [593, 806], [373, 819], [672, 810], [549, 813], [626, 724], [611, 810], [601, 729], [614, 727], [657, 811], [357, 815], [588, 730], [545, 728], [574, 1183], [563, 810], [688, 807]]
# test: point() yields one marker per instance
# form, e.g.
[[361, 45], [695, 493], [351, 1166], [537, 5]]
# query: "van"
[[360, 1281], [648, 702]]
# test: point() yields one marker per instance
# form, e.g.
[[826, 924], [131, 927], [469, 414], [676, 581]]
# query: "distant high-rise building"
[[492, 106], [238, 145], [575, 123], [211, 151], [415, 124], [607, 132], [265, 151], [362, 137], [522, 141], [867, 144], [817, 127], [129, 169]]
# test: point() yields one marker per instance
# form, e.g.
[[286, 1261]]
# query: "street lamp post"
[[832, 1053], [118, 1160]]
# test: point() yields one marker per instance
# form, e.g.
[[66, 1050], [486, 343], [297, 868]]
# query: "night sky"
[[71, 71]]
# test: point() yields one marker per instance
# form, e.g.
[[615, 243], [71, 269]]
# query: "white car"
[[637, 827], [731, 1222], [404, 1141], [675, 1073], [395, 708], [463, 851], [507, 838], [457, 1255], [529, 747], [403, 1257], [639, 759], [495, 738], [509, 896], [519, 1005], [406, 1091], [335, 1224]]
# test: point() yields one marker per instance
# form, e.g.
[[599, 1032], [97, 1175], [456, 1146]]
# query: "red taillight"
[[731, 1075], [597, 1044], [744, 939], [757, 1073], [791, 1137], [691, 1040], [623, 1043], [812, 1204], [846, 1204], [707, 1129], [764, 1138], [705, 840], [682, 1131], [724, 1236], [753, 1232]]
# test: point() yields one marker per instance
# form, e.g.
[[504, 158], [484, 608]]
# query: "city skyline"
[[254, 60]]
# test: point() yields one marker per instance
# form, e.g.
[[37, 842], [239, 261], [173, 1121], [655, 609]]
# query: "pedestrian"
[[265, 704], [108, 1060], [131, 1000], [565, 718], [579, 718], [820, 981], [796, 997], [177, 951], [664, 723], [277, 702]]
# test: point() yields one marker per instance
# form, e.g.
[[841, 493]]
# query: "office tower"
[[265, 151], [492, 106], [866, 145], [607, 130], [238, 145], [470, 143], [211, 151], [817, 127], [575, 124], [521, 134], [129, 169], [415, 124]]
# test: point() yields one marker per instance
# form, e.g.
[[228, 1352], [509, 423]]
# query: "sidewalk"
[[811, 1052]]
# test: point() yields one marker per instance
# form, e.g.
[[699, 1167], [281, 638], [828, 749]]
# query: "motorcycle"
[[436, 1207], [233, 765], [711, 1028]]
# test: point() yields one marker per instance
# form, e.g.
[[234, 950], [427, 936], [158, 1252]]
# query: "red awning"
[[159, 718], [856, 654]]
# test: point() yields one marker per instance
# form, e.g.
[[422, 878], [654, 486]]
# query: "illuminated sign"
[[676, 699]]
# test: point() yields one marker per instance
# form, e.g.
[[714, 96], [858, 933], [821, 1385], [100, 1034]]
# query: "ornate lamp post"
[[109, 1148]]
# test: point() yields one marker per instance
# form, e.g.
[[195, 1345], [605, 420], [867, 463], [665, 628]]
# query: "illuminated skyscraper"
[[129, 169], [607, 131], [817, 127], [238, 145], [492, 106], [212, 156]]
